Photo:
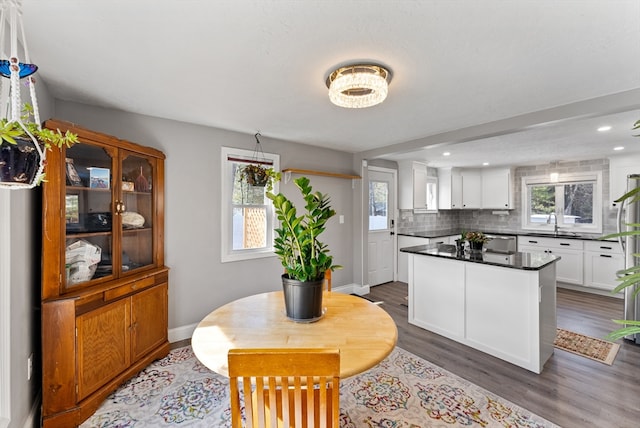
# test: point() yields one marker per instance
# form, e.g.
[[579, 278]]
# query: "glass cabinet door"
[[89, 238], [136, 211]]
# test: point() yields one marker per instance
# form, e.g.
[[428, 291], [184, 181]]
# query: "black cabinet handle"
[[565, 244], [605, 255], [606, 248]]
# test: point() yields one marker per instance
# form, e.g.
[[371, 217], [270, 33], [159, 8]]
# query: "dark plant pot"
[[476, 246], [302, 300], [19, 163], [257, 179]]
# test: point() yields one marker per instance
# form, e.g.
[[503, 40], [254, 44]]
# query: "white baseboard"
[[180, 333], [589, 290], [185, 332], [33, 416], [352, 289]]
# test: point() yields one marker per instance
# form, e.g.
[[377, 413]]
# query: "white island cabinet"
[[504, 305]]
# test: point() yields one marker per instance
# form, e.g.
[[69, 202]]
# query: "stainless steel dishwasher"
[[503, 244]]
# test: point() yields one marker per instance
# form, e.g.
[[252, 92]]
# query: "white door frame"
[[365, 208], [5, 308]]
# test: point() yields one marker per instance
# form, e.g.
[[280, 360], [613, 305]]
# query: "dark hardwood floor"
[[572, 391]]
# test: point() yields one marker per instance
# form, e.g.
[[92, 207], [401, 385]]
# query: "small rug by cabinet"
[[586, 346], [403, 391]]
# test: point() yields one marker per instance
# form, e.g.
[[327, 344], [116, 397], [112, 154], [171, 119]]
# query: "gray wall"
[[24, 265], [199, 282]]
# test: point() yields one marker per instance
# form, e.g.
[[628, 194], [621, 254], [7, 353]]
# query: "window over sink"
[[563, 203]]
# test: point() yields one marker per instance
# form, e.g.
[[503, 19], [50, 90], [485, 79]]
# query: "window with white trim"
[[570, 203], [247, 213]]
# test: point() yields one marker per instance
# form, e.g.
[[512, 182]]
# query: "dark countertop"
[[522, 261], [563, 235]]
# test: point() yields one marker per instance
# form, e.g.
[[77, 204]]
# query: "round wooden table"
[[364, 333]]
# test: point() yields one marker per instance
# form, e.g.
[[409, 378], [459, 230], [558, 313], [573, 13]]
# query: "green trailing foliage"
[[10, 130], [303, 255]]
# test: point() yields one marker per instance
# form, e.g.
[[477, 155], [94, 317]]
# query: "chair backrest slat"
[[293, 387]]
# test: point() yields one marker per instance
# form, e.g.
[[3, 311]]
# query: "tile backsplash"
[[511, 221]]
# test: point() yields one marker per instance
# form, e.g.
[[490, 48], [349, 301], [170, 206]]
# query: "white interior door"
[[381, 248]]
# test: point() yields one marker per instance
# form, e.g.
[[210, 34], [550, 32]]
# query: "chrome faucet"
[[555, 222]]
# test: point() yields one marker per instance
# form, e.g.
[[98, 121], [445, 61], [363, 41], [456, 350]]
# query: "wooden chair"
[[327, 279], [292, 387]]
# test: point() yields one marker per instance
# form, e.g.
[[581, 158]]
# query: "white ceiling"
[[260, 65]]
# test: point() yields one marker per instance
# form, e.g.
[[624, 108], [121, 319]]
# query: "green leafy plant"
[[476, 237], [303, 255], [631, 276], [257, 175], [10, 130]]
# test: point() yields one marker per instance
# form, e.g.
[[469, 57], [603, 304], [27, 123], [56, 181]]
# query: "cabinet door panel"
[[600, 269], [88, 217], [139, 178], [471, 189], [569, 267], [103, 345], [148, 320]]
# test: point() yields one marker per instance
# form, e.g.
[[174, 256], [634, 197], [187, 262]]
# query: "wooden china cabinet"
[[104, 283]]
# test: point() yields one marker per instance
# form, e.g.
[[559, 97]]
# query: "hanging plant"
[[257, 174], [21, 161]]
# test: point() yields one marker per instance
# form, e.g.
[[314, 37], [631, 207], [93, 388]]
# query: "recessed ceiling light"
[[618, 148], [485, 163], [446, 154], [604, 128]]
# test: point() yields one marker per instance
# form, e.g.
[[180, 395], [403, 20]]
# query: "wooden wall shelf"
[[289, 171]]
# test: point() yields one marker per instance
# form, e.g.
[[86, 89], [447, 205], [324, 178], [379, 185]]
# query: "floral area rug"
[[586, 346], [403, 391]]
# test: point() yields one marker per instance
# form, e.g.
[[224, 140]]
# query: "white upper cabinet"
[[419, 186], [471, 189], [449, 188], [475, 188], [418, 190], [497, 188]]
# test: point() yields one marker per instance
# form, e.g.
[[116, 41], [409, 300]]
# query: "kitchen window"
[[567, 203], [247, 213]]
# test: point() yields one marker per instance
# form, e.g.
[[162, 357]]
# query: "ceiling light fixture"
[[446, 154], [604, 128], [618, 148], [358, 85]]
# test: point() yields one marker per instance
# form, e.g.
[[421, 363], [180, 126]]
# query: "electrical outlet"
[[29, 367], [341, 218]]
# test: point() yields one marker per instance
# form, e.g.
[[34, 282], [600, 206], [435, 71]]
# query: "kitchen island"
[[501, 304]]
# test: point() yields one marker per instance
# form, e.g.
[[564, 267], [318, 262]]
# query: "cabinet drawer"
[[129, 288], [605, 247], [574, 244], [537, 241]]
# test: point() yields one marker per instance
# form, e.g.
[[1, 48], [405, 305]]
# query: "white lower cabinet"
[[407, 241], [570, 267], [602, 259], [437, 297], [507, 313]]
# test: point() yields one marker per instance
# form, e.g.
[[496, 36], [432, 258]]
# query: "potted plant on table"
[[476, 240], [304, 257]]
